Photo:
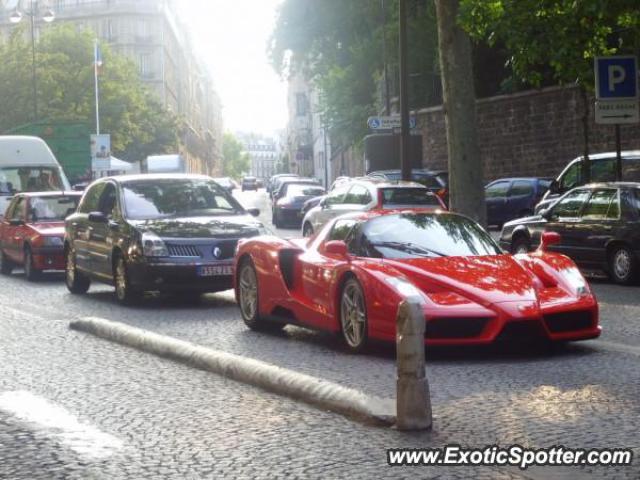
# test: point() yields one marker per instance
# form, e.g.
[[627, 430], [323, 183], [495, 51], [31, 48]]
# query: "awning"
[[112, 164]]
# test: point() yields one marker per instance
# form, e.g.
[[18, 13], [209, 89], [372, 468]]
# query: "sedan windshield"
[[151, 199], [409, 235], [29, 179], [52, 209], [408, 197]]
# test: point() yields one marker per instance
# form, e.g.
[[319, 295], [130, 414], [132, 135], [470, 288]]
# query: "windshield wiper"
[[409, 248]]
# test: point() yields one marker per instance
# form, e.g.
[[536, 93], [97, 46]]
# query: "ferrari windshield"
[[150, 199], [408, 235]]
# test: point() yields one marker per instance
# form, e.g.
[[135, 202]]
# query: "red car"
[[32, 232], [351, 278]]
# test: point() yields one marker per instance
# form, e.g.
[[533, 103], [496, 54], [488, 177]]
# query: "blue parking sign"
[[616, 77]]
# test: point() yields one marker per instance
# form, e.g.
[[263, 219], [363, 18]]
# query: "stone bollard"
[[413, 401]]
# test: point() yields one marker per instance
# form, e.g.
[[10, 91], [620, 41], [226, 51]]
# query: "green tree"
[[137, 122], [235, 161]]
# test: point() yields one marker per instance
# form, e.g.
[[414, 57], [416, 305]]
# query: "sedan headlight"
[[52, 241], [153, 245]]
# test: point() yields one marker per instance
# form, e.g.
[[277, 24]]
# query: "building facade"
[[152, 35], [264, 154]]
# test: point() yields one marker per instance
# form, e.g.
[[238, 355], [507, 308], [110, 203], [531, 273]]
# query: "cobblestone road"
[[176, 422]]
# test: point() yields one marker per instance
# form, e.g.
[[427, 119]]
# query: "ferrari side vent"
[[455, 327], [569, 321]]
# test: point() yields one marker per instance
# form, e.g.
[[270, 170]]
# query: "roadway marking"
[[60, 424]]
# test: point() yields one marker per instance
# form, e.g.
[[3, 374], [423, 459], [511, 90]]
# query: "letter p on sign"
[[616, 77]]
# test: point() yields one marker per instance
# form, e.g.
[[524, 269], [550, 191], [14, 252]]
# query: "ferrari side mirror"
[[548, 239], [337, 248]]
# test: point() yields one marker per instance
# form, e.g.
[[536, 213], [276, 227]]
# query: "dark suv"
[[155, 233]]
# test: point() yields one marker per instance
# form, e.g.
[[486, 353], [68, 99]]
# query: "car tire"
[[32, 273], [520, 244], [77, 283], [249, 298], [307, 230], [276, 223], [126, 294], [353, 316], [6, 265], [623, 267]]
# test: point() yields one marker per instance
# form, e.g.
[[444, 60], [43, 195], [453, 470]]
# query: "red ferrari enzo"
[[352, 276]]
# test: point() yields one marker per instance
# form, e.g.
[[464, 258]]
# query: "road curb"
[[312, 390]]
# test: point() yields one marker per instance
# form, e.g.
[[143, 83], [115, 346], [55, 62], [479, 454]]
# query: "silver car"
[[364, 194]]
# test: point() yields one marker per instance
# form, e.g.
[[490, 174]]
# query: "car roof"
[[56, 193], [599, 156], [384, 183], [413, 170], [511, 179], [611, 185], [157, 176]]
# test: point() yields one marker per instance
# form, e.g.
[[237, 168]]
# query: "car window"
[[341, 229], [603, 170], [30, 179], [409, 196], [358, 195], [632, 200], [336, 196], [631, 170], [51, 208], [429, 181], [598, 206], [521, 188], [108, 201], [498, 189], [89, 202], [571, 177], [18, 209], [570, 205]]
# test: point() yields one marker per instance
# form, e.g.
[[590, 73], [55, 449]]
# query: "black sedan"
[[287, 210], [167, 233], [599, 227]]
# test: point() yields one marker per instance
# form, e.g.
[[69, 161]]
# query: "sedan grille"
[[569, 321], [183, 250], [455, 327]]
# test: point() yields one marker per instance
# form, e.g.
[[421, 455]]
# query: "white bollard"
[[413, 401]]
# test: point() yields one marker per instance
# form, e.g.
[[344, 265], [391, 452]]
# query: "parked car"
[[603, 169], [509, 198], [227, 183], [599, 227], [274, 179], [259, 183], [351, 278], [368, 193], [249, 183], [287, 210], [339, 181], [437, 181], [32, 232], [28, 165], [167, 233], [281, 186]]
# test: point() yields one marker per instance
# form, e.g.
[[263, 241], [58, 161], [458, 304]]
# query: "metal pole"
[[34, 7], [618, 155], [405, 164], [387, 100], [326, 159], [95, 76]]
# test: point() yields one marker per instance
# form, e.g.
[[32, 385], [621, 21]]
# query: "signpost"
[[617, 95], [100, 153], [389, 122]]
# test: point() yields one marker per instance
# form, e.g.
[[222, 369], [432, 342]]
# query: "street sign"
[[389, 122], [100, 152], [615, 112], [616, 77]]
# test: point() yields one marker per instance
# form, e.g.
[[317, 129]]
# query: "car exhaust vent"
[[190, 251], [569, 321], [455, 327]]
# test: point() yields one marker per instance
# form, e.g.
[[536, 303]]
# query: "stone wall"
[[533, 133]]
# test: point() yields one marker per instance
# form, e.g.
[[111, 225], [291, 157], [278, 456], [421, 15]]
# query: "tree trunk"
[[466, 182]]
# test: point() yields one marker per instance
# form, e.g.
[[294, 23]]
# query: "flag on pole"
[[97, 58]]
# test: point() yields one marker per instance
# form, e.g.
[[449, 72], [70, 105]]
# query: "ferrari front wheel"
[[353, 316]]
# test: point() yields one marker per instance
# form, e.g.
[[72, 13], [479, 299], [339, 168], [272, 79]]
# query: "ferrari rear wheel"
[[353, 316]]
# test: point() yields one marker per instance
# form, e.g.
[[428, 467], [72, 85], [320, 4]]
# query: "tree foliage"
[[557, 36], [235, 161], [129, 111], [339, 46]]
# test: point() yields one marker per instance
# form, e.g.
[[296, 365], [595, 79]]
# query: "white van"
[[27, 164], [164, 164]]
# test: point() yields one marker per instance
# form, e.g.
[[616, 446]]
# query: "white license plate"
[[215, 270]]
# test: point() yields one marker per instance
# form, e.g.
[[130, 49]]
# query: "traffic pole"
[[405, 165]]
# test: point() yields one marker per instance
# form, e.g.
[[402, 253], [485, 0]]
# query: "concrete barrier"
[[413, 402], [276, 379]]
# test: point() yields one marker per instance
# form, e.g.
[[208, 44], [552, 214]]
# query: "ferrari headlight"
[[405, 288], [52, 241], [577, 281], [153, 245]]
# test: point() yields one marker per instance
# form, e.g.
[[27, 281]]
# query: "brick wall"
[[533, 133]]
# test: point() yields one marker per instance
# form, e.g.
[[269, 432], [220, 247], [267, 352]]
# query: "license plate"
[[215, 270]]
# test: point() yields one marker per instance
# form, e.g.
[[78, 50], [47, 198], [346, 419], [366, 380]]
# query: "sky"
[[231, 38]]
